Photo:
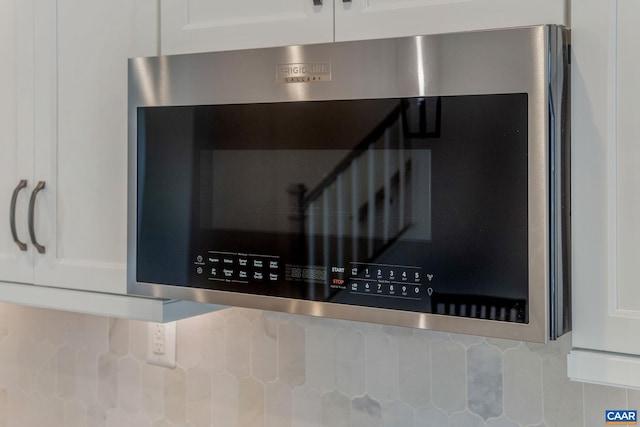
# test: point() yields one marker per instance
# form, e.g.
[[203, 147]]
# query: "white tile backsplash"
[[365, 412], [465, 419], [448, 376], [350, 362], [225, 399], [320, 354], [175, 395], [278, 402], [397, 413], [502, 422], [307, 407], [198, 398], [264, 350], [237, 339], [430, 416], [563, 399], [484, 380], [600, 399], [414, 371], [291, 354], [248, 368], [381, 366], [522, 371], [251, 402], [336, 411]]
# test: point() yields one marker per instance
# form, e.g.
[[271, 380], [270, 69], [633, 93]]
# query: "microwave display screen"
[[415, 204]]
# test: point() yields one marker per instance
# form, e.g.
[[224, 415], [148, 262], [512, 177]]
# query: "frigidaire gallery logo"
[[620, 417], [304, 72]]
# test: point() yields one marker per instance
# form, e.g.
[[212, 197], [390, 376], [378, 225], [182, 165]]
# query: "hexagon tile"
[[248, 368]]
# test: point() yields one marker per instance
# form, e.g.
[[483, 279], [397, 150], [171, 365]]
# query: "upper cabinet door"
[[204, 25], [366, 19], [81, 137], [606, 174], [16, 138], [606, 191]]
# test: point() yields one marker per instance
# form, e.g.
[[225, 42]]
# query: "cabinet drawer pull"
[[12, 215], [317, 2], [32, 206]]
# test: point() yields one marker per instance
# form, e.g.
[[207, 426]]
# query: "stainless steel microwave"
[[419, 181]]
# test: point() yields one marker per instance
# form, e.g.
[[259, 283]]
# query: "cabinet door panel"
[[202, 25], [81, 139], [627, 91], [16, 135], [605, 176], [363, 19]]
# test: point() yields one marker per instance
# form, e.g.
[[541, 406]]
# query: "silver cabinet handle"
[[317, 2], [12, 215], [32, 206]]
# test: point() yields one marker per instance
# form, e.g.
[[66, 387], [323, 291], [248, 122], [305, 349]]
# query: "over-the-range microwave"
[[419, 181]]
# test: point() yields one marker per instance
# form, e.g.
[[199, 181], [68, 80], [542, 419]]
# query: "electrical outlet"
[[161, 344], [159, 338]]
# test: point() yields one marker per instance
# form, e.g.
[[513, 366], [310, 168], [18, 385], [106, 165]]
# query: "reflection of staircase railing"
[[357, 152], [336, 207], [365, 197]]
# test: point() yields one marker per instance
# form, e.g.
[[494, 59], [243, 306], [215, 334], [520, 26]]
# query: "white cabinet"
[[16, 136], [203, 25], [367, 19], [63, 125], [606, 196], [81, 137]]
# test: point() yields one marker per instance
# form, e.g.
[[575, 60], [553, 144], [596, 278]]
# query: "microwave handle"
[[32, 206], [12, 214]]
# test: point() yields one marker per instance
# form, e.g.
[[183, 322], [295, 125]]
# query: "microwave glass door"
[[411, 204]]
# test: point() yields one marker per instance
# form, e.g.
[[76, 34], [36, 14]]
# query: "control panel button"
[[390, 281]]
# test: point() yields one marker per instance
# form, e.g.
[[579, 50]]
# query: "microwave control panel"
[[381, 280], [392, 286]]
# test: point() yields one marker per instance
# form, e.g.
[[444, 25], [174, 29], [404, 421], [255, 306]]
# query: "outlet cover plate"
[[161, 336]]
